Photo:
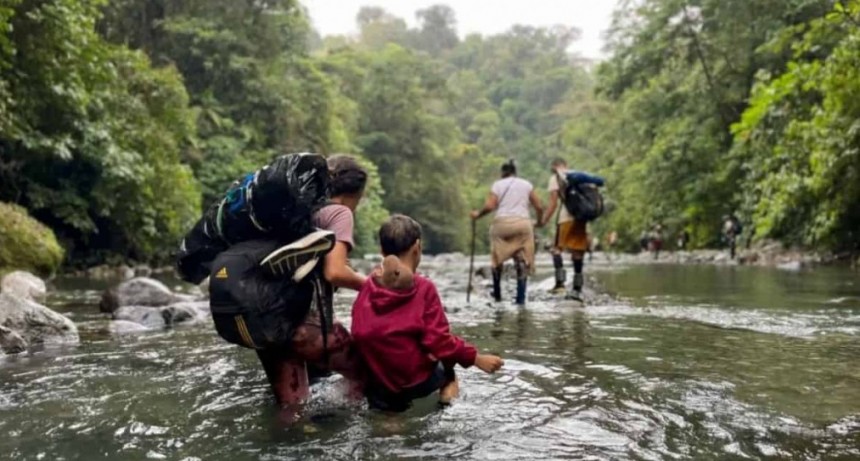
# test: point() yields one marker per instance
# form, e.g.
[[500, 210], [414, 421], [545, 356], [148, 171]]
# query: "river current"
[[672, 362]]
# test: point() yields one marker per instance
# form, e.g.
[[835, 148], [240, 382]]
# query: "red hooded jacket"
[[396, 332]]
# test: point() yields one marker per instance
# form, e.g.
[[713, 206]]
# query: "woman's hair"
[[509, 168], [347, 176], [557, 162], [398, 234]]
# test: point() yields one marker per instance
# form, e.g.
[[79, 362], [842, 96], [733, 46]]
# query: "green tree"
[[798, 143], [437, 31], [91, 134], [247, 70], [679, 76], [392, 91]]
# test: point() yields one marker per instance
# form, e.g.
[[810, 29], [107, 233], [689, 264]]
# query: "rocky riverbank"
[[766, 254], [133, 305]]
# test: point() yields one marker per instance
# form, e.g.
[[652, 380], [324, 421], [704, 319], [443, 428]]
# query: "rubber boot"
[[521, 291], [577, 287], [497, 284], [560, 275], [522, 281]]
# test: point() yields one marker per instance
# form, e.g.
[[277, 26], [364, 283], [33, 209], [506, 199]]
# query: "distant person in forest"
[[512, 232], [683, 239], [590, 250], [731, 231], [400, 329], [644, 240], [611, 240], [655, 240], [571, 235]]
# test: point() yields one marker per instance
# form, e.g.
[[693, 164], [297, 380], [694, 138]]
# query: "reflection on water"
[[689, 363]]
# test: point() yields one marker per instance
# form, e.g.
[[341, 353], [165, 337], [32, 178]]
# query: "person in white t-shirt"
[[512, 232]]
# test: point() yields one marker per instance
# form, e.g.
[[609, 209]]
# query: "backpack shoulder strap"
[[511, 183]]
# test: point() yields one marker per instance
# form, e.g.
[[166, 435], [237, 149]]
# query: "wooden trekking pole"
[[471, 263]]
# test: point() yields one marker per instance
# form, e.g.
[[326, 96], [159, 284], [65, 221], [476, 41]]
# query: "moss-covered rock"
[[26, 243]]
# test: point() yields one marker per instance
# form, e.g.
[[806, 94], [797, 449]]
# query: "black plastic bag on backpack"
[[584, 202], [199, 247], [276, 202]]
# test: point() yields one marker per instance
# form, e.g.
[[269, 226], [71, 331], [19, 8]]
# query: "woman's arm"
[[535, 201], [553, 204], [337, 271], [490, 205]]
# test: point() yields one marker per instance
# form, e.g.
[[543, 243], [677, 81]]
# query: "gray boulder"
[[25, 323], [182, 313], [24, 285], [140, 291]]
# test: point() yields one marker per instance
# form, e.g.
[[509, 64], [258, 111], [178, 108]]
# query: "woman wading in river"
[[288, 372], [512, 232]]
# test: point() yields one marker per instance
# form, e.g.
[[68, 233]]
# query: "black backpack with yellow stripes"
[[261, 290]]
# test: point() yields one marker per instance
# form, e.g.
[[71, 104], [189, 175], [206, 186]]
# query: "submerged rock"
[[24, 285], [11, 342], [182, 313], [139, 291], [33, 323]]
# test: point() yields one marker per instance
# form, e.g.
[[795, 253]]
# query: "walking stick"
[[471, 263]]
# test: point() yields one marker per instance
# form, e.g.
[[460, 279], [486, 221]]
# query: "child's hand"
[[489, 363]]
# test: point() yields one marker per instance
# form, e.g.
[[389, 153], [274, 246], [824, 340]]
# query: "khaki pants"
[[509, 236]]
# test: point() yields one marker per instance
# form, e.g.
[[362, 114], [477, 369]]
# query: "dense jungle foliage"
[[120, 119]]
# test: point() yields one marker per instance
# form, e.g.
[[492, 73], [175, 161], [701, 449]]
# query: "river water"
[[680, 362]]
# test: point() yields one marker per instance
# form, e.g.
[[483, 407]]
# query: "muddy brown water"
[[682, 362]]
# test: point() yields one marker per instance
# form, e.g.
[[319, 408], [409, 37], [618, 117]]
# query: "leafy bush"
[[26, 243]]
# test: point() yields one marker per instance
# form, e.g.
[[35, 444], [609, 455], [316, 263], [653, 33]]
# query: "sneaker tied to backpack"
[[299, 258]]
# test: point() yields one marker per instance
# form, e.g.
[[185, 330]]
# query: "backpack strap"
[[249, 196], [325, 307], [513, 178]]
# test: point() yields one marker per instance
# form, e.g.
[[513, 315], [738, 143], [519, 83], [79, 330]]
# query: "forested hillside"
[[119, 119]]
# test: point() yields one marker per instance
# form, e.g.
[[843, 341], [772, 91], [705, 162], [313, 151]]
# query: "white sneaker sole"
[[299, 258]]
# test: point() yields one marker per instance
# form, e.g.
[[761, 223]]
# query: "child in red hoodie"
[[400, 329]]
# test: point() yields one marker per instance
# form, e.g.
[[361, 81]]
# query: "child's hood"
[[386, 299]]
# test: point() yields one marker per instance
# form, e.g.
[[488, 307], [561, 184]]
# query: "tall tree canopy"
[[119, 118]]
